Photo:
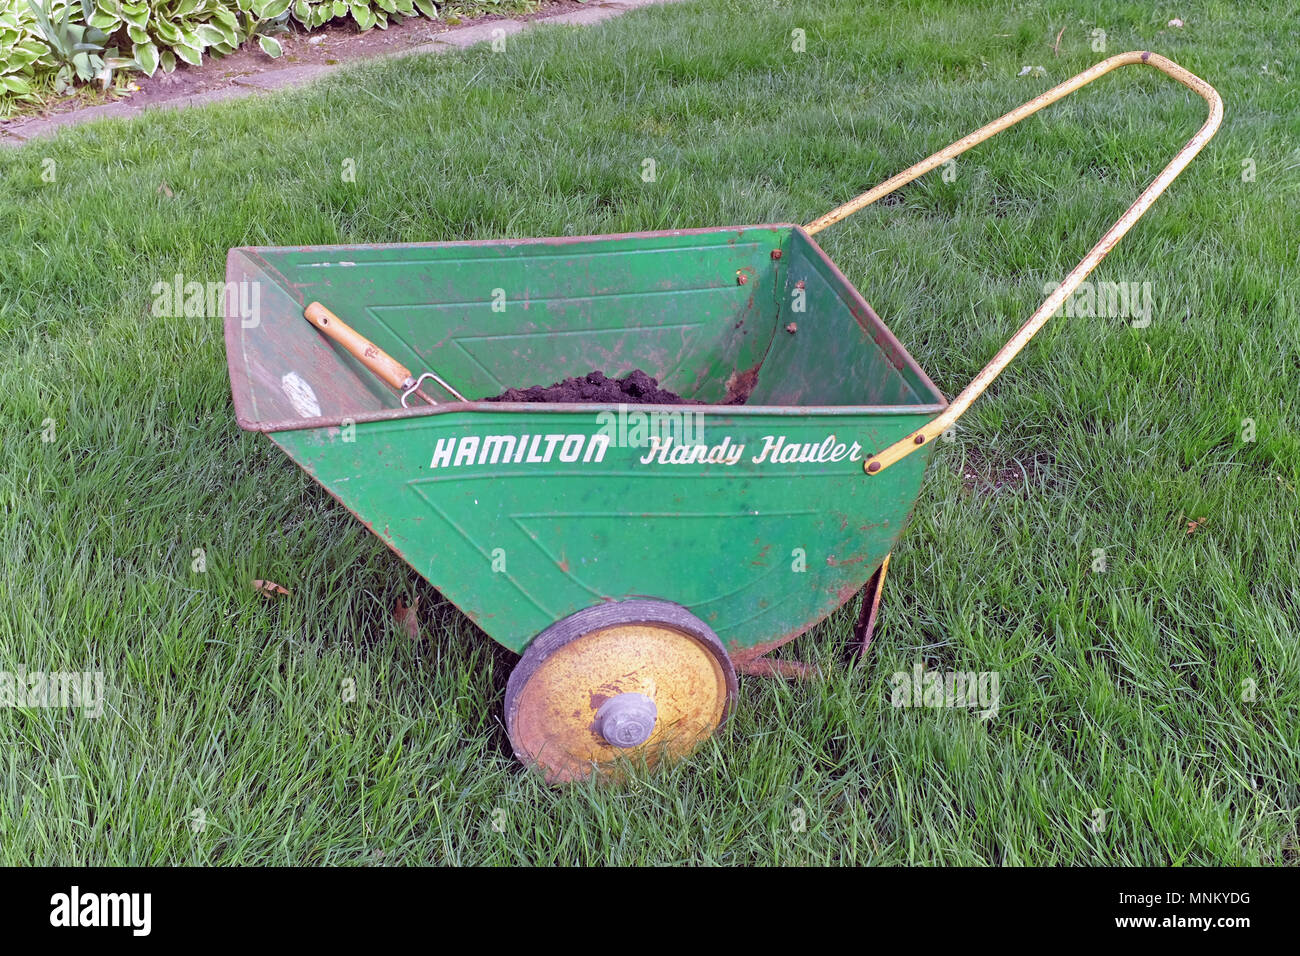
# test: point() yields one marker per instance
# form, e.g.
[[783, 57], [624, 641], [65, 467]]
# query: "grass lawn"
[[1148, 711]]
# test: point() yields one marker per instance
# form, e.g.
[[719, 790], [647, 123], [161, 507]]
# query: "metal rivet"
[[873, 467], [776, 253], [919, 440]]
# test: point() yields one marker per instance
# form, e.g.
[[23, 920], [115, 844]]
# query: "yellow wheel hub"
[[591, 690]]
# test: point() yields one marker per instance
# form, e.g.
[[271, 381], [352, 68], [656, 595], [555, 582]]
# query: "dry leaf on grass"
[[269, 587], [1193, 525], [408, 617]]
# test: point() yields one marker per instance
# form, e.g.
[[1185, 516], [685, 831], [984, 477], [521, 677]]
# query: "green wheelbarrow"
[[636, 556]]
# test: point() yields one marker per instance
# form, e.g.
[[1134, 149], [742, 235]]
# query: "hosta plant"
[[22, 51], [365, 13], [164, 32], [48, 44], [75, 48]]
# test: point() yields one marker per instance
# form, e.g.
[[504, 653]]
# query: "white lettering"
[[467, 450], [442, 453], [571, 448], [75, 909]]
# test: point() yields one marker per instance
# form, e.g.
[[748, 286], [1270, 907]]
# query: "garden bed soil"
[[248, 66], [635, 388]]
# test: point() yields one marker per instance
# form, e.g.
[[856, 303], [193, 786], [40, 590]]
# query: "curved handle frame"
[[904, 447]]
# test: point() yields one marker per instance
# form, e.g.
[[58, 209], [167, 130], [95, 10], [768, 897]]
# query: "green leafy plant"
[[76, 47], [165, 32], [264, 21], [55, 44], [365, 13], [21, 50]]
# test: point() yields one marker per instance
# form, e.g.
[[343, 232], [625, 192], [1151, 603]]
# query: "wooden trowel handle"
[[366, 352]]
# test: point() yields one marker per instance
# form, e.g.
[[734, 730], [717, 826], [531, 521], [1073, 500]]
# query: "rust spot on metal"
[[740, 655], [792, 328], [800, 284], [740, 384], [888, 346], [741, 278], [766, 667]]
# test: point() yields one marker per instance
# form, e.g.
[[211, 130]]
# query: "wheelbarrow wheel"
[[627, 678]]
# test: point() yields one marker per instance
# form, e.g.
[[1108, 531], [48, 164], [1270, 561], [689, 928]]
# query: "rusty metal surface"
[[651, 648], [754, 662], [717, 537], [866, 317], [759, 551], [360, 282], [865, 628], [783, 669]]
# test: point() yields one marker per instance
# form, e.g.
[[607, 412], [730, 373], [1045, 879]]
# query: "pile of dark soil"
[[636, 388]]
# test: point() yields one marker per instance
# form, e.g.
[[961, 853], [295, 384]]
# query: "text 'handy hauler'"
[[587, 449]]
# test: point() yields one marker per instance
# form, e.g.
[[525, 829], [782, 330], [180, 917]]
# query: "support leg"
[[871, 594]]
